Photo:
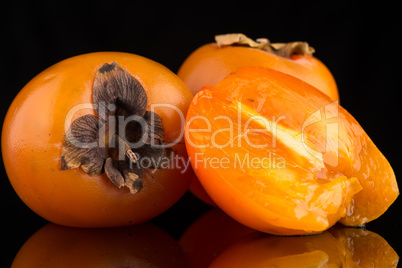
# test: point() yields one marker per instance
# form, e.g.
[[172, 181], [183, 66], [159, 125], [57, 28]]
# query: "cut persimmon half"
[[279, 156]]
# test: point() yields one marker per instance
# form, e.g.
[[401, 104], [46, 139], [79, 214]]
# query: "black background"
[[358, 42]]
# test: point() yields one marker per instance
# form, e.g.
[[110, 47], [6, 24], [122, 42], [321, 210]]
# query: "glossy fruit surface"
[[212, 62], [34, 139], [279, 156], [144, 245], [197, 190]]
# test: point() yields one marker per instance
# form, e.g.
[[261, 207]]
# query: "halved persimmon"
[[279, 156], [212, 62]]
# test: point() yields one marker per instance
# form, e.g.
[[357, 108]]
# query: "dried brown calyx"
[[285, 50], [122, 133]]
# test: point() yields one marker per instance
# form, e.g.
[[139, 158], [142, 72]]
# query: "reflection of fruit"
[[343, 247], [139, 246], [367, 248], [262, 250], [124, 87], [209, 235], [264, 146], [211, 63]]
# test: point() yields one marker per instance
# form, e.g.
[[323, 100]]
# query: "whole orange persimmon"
[[279, 156], [91, 141], [212, 62]]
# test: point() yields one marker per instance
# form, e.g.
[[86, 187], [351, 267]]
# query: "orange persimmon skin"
[[34, 131], [197, 190], [210, 63], [305, 191]]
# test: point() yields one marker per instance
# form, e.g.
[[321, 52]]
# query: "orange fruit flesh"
[[210, 63], [296, 162]]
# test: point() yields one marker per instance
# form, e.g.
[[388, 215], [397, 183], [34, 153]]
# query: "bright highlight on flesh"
[[290, 138]]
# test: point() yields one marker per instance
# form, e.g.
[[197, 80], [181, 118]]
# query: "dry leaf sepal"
[[285, 50], [122, 133]]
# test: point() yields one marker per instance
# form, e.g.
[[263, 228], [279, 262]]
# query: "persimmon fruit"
[[212, 62], [279, 156], [89, 141]]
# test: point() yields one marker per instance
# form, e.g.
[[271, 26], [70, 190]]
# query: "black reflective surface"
[[358, 44], [192, 234]]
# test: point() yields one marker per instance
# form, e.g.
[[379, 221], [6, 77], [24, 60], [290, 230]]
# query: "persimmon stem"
[[127, 150], [285, 50]]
